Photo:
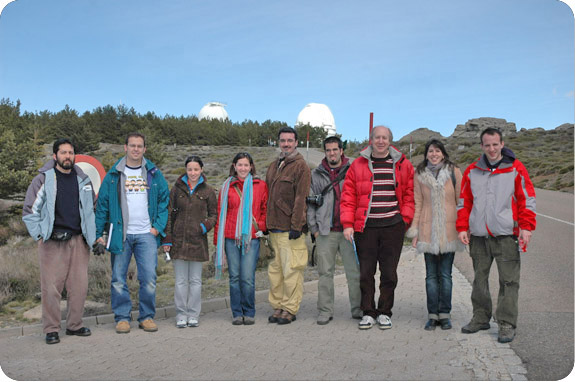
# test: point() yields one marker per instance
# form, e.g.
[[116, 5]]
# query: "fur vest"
[[436, 211]]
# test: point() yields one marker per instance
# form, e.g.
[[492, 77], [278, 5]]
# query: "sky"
[[418, 63]]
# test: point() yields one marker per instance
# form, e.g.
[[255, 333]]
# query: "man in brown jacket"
[[288, 179]]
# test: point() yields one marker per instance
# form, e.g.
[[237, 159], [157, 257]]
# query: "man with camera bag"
[[325, 226], [59, 213]]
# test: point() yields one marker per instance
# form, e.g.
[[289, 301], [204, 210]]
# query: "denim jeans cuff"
[[433, 316], [444, 315]]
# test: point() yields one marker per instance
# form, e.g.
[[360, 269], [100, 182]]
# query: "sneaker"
[[193, 322], [506, 332], [148, 325], [249, 321], [366, 322], [445, 324], [323, 319], [181, 324], [123, 327], [474, 327], [238, 321], [384, 322], [431, 324]]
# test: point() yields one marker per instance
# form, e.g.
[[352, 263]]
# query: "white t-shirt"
[[136, 191]]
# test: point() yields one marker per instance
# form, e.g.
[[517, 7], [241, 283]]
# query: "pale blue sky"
[[431, 64]]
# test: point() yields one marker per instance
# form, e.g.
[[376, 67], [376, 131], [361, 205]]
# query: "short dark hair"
[[437, 143], [333, 139], [194, 158], [60, 142], [491, 131], [287, 129], [242, 156], [136, 135]]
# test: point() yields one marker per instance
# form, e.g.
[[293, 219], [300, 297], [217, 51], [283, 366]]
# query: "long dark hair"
[[237, 158], [434, 142]]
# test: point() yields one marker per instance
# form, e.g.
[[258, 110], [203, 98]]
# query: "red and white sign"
[[93, 168]]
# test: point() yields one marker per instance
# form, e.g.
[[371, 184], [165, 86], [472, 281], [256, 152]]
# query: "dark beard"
[[66, 165]]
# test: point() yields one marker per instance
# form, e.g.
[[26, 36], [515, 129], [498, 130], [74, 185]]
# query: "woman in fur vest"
[[437, 184]]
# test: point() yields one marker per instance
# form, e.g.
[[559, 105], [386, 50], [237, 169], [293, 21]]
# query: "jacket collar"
[[120, 165], [508, 157], [396, 155], [51, 165]]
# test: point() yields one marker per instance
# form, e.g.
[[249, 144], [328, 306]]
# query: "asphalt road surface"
[[545, 339]]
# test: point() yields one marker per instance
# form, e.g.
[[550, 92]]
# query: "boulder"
[[474, 127], [422, 134]]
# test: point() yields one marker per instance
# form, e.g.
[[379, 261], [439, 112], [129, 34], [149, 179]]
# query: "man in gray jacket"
[[325, 226], [59, 214]]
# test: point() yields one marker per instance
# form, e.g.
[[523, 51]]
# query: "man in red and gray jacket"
[[377, 207], [495, 216]]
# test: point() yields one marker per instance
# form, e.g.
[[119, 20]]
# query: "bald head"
[[381, 138]]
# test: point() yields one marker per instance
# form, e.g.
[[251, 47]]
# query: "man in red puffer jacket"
[[377, 207]]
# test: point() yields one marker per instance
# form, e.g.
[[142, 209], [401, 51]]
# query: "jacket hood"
[[507, 155], [325, 166], [396, 155]]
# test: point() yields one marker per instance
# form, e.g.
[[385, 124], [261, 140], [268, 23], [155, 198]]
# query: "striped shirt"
[[384, 209]]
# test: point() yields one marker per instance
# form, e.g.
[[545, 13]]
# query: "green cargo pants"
[[505, 251]]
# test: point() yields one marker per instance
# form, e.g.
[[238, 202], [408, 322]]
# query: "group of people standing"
[[361, 209]]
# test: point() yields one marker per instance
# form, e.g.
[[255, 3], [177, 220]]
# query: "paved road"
[[545, 337], [302, 350]]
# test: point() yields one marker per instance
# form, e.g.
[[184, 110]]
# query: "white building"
[[317, 115], [213, 110]]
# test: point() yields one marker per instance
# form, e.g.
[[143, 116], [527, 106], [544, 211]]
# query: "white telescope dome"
[[317, 115], [213, 110]]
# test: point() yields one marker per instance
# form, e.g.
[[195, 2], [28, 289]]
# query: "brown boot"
[[275, 316]]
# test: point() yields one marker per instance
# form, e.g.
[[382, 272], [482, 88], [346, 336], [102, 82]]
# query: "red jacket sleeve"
[[525, 199], [465, 203], [407, 199], [348, 203]]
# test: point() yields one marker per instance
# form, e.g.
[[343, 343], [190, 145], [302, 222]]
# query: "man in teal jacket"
[[133, 201]]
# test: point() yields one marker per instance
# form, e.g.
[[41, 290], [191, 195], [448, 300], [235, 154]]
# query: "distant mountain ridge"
[[473, 128]]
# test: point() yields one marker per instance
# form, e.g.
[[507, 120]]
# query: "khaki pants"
[[505, 251], [63, 264], [327, 248], [285, 272]]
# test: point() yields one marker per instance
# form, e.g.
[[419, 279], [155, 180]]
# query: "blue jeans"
[[242, 270], [145, 250], [438, 284]]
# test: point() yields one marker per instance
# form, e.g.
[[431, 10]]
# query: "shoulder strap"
[[255, 223], [340, 176]]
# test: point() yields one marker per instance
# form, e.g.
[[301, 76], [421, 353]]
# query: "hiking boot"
[[286, 318], [238, 321], [249, 320], [148, 325], [384, 322], [324, 319], [123, 327], [506, 332], [366, 323], [474, 327], [273, 319]]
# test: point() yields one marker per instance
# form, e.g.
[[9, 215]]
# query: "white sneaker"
[[193, 322], [366, 322], [181, 324], [384, 322]]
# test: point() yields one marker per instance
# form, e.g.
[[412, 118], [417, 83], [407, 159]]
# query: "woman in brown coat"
[[437, 184], [192, 213]]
